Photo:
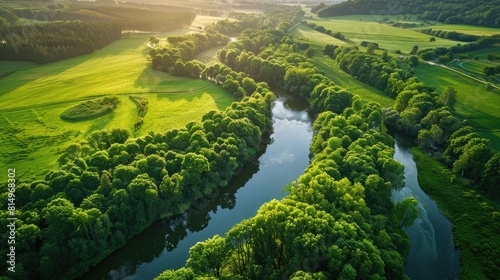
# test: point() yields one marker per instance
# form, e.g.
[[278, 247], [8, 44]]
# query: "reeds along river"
[[432, 252], [165, 245]]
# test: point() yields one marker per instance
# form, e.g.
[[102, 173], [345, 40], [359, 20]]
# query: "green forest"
[[336, 222], [478, 12]]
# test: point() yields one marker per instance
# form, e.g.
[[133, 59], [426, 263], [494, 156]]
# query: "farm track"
[[21, 108], [462, 73]]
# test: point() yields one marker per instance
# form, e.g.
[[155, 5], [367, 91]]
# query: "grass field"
[[476, 68], [312, 36], [474, 102], [388, 37], [32, 98], [468, 29]]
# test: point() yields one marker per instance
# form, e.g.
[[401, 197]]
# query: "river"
[[165, 244], [432, 252]]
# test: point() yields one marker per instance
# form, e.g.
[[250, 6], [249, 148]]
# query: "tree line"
[[72, 32], [111, 188], [54, 41], [477, 12], [452, 35], [421, 112], [322, 29]]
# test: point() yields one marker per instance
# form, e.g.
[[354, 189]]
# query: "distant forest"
[[79, 29], [476, 12]]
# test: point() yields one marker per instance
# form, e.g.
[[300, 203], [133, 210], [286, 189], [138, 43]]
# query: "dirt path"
[[461, 73]]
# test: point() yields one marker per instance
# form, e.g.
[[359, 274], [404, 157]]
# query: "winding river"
[[165, 244], [432, 253]]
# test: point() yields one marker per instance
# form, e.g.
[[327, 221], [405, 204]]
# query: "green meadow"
[[474, 103], [32, 97], [311, 36], [388, 37]]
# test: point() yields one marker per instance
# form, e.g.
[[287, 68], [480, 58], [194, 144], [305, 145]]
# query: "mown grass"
[[388, 37], [475, 219], [474, 103], [33, 97]]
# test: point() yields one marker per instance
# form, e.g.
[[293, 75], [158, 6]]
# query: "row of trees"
[[477, 12], [54, 41], [460, 49], [421, 112], [322, 29], [174, 57], [452, 35], [66, 36], [111, 187]]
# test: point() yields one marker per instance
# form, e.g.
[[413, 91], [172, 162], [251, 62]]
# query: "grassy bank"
[[475, 219], [32, 97]]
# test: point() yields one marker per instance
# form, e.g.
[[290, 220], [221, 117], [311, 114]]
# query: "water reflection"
[[432, 253]]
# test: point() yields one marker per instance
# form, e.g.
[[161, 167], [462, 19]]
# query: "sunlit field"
[[33, 97], [314, 37], [388, 37]]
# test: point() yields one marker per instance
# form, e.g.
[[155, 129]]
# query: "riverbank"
[[475, 219]]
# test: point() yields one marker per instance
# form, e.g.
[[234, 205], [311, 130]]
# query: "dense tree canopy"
[[478, 12]]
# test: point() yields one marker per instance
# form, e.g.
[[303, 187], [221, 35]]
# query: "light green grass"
[[388, 37], [312, 36], [474, 102], [32, 98], [339, 77], [475, 68], [167, 111]]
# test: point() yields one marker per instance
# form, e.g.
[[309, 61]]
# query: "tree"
[[405, 213], [210, 254], [371, 47], [154, 40], [448, 96], [490, 179], [489, 70], [310, 52], [471, 163], [432, 39], [444, 59], [414, 50]]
